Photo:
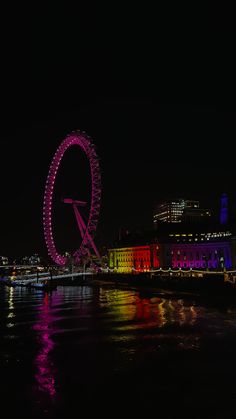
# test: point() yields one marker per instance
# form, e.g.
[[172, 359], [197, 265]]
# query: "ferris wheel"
[[86, 229]]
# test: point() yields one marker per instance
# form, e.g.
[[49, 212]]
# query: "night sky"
[[155, 105]]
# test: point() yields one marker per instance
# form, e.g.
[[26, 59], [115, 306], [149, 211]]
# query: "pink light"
[[45, 375], [84, 142]]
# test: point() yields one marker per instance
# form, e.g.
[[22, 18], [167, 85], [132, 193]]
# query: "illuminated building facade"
[[134, 258], [199, 247], [201, 255], [186, 250]]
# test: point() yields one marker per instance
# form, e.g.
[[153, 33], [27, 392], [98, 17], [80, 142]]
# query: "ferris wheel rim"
[[84, 141]]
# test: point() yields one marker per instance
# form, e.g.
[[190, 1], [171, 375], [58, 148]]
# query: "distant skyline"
[[148, 152]]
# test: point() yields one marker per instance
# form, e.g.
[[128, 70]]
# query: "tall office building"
[[176, 211]]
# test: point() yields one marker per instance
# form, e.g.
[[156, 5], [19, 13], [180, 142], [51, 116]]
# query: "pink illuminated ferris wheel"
[[86, 229]]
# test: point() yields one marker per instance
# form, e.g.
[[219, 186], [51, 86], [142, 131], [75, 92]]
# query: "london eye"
[[85, 228]]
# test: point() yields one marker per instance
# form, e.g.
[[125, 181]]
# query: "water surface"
[[104, 350]]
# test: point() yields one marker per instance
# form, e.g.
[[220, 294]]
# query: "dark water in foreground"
[[85, 350]]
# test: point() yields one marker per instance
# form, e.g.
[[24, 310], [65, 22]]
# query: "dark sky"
[[154, 96]]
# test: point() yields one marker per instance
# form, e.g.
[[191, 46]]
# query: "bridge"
[[43, 277], [33, 280]]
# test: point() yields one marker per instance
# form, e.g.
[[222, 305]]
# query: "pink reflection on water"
[[44, 367]]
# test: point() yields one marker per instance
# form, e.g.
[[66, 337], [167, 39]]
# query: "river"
[[103, 349]]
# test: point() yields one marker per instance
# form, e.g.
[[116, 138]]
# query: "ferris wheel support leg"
[[78, 219], [80, 222], [82, 228]]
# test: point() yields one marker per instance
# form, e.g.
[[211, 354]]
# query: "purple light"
[[224, 209], [208, 255]]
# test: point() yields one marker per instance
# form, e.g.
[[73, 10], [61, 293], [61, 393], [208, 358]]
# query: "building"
[[215, 250], [200, 249], [4, 260], [224, 209], [182, 245], [187, 237], [134, 258], [179, 210], [31, 260]]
